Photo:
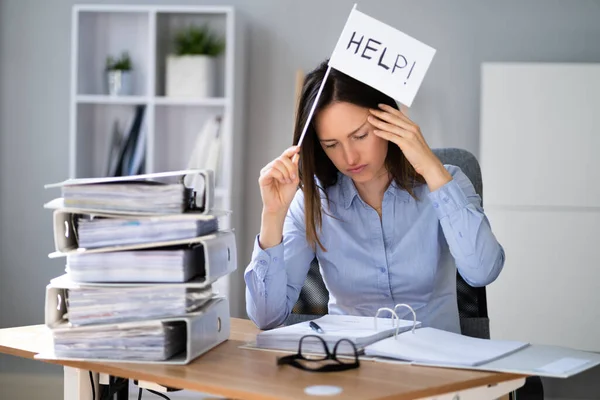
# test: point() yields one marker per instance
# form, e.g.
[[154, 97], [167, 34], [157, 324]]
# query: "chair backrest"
[[472, 304]]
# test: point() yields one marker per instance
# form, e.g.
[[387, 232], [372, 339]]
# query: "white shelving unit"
[[172, 124]]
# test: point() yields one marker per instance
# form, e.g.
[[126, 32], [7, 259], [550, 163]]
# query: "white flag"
[[382, 57]]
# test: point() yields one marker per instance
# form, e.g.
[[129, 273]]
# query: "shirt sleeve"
[[275, 276], [478, 255]]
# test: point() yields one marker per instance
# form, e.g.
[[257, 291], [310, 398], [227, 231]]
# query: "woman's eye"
[[361, 136], [330, 146]]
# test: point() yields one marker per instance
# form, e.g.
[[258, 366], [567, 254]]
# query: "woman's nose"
[[351, 156]]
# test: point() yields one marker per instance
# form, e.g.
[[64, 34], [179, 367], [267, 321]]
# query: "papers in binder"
[[172, 340], [360, 330], [212, 256], [435, 346], [93, 231], [157, 193], [147, 341], [88, 305], [175, 264]]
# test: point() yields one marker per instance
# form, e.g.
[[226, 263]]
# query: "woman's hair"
[[339, 87]]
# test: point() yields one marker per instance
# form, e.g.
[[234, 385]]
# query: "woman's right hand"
[[279, 181]]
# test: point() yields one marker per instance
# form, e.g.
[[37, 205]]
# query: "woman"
[[386, 220]]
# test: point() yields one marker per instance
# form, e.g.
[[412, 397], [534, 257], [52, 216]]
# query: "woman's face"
[[348, 140]]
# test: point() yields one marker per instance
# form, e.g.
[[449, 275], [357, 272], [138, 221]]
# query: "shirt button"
[[262, 262], [436, 205], [382, 270], [274, 259]]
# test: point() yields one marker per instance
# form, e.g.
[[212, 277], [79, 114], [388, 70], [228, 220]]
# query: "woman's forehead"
[[338, 120]]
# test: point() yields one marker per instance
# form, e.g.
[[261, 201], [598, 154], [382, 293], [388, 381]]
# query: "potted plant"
[[118, 75], [191, 69]]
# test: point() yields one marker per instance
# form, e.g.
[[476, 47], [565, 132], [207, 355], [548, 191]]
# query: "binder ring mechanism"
[[396, 319]]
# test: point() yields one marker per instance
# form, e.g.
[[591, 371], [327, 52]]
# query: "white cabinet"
[[171, 124], [540, 160]]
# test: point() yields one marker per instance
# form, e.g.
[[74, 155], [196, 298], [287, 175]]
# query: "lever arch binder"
[[197, 333], [80, 304], [105, 229], [400, 341], [145, 194], [360, 330], [219, 255]]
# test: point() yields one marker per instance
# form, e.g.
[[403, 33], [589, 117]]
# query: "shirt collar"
[[349, 191]]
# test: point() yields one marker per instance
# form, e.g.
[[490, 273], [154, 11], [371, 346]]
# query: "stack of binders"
[[142, 253]]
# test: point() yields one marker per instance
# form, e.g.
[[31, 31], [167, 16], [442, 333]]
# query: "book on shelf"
[[127, 149]]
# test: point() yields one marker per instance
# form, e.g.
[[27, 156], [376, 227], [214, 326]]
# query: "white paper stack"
[[165, 264], [148, 340], [435, 346], [358, 329], [89, 305], [96, 232], [136, 196], [140, 261]]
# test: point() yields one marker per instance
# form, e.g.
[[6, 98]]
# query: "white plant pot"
[[190, 76], [118, 82]]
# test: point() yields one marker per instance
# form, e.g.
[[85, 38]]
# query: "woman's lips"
[[358, 169]]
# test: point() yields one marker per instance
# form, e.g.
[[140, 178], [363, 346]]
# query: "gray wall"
[[282, 36]]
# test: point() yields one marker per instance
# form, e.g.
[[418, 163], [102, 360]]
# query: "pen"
[[316, 327]]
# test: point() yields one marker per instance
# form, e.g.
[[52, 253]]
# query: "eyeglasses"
[[312, 349]]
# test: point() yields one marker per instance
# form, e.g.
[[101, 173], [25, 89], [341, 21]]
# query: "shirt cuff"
[[264, 258], [448, 199]]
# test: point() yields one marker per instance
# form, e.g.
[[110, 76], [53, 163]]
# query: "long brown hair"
[[314, 163]]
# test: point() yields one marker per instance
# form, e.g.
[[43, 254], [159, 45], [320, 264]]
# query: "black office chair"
[[472, 302]]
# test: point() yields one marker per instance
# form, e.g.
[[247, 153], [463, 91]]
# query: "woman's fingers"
[[397, 139], [283, 168], [289, 166], [290, 151], [270, 174], [391, 128], [392, 119], [396, 112]]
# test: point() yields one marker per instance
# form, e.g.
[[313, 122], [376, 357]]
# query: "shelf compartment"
[[94, 130], [104, 99], [103, 34], [168, 24]]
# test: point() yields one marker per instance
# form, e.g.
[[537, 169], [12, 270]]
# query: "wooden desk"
[[238, 373]]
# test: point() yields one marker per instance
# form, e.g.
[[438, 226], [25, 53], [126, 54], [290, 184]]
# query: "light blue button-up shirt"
[[410, 255]]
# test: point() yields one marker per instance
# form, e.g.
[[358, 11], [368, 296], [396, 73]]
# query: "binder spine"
[[220, 255], [208, 330]]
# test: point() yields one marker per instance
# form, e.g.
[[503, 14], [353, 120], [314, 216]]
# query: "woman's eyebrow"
[[350, 134]]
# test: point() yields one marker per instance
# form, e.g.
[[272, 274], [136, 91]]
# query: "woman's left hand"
[[391, 124]]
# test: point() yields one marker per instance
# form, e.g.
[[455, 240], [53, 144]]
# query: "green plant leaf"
[[198, 40], [122, 63]]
